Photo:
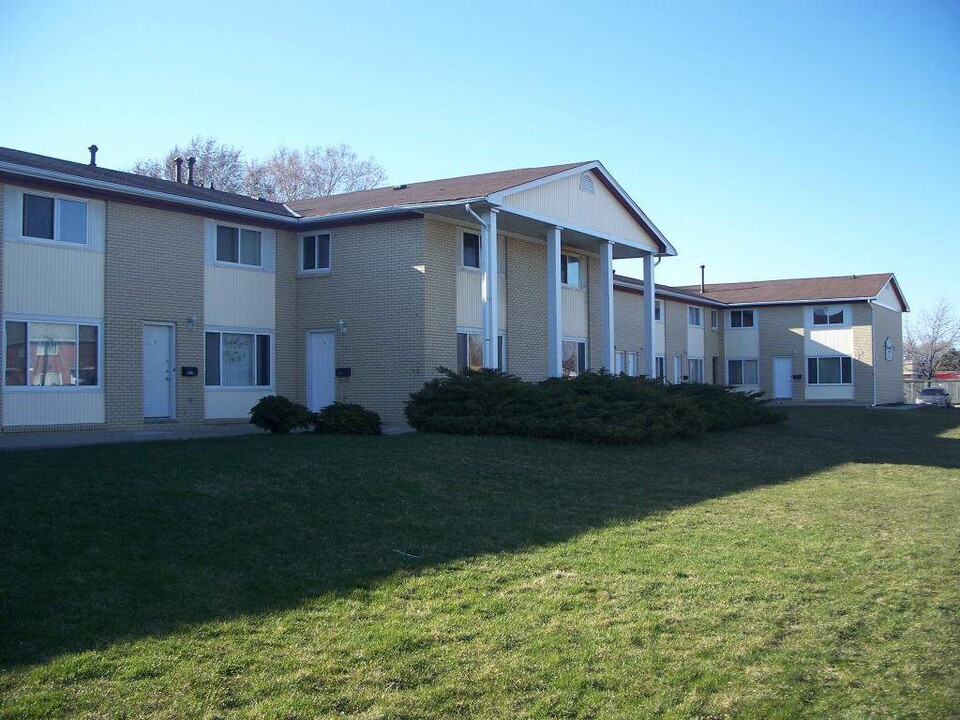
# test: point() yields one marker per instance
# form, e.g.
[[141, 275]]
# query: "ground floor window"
[[695, 370], [660, 365], [836, 370], [574, 357], [237, 359], [470, 350], [43, 354], [743, 372]]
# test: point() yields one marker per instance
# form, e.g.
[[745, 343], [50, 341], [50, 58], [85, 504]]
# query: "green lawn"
[[810, 569]]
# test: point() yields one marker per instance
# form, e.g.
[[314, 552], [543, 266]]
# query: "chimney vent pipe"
[[93, 155], [703, 284], [190, 163], [179, 163]]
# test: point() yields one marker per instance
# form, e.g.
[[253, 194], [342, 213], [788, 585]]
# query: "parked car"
[[934, 396]]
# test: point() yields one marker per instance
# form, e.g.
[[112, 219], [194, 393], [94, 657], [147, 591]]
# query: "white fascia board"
[[661, 291], [416, 207], [24, 171], [814, 301], [497, 198], [576, 228]]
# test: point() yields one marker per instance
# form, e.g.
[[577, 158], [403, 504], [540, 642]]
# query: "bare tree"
[[930, 338], [287, 174], [291, 174], [217, 163]]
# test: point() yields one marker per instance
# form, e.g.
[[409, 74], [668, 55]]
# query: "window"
[[315, 252], [828, 316], [471, 250], [714, 319], [237, 359], [694, 316], [48, 218], [657, 311], [470, 351], [51, 354], [570, 270], [743, 372], [238, 246], [574, 357], [661, 367], [836, 370], [695, 373], [741, 318]]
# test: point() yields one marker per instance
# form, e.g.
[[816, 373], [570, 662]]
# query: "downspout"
[[873, 350], [479, 219]]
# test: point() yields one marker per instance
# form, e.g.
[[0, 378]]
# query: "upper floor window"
[[570, 270], [471, 250], [714, 319], [239, 246], [658, 310], [51, 354], [315, 252], [694, 316], [741, 318], [828, 316], [50, 218]]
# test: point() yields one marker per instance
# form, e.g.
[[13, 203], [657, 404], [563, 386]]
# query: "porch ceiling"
[[512, 223]]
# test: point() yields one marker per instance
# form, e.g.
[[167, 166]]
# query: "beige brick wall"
[[377, 286], [526, 309], [286, 331], [628, 324], [780, 333], [674, 336], [441, 260], [888, 323], [153, 272], [594, 313], [862, 353]]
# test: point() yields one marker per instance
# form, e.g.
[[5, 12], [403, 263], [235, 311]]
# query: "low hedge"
[[346, 419], [279, 414], [592, 408]]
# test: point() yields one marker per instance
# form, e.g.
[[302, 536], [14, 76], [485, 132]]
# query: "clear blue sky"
[[765, 139]]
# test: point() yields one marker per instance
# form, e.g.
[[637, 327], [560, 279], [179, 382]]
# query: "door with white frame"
[[321, 369], [783, 378], [158, 371]]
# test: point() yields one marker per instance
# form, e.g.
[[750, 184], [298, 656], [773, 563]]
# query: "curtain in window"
[[237, 359]]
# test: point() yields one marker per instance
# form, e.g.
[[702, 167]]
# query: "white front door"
[[677, 376], [157, 371], [782, 377], [320, 370]]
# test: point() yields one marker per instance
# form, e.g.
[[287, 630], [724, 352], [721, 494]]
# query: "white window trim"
[[581, 260], [238, 264], [715, 326], [699, 315], [586, 350], [55, 242], [663, 364], [502, 334], [703, 370], [806, 369], [847, 317], [17, 317], [729, 323], [726, 369], [460, 234], [656, 304], [240, 331], [318, 271]]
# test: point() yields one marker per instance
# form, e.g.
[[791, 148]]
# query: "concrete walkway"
[[35, 440]]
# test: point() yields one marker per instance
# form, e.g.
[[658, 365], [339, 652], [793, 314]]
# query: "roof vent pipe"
[[179, 163], [93, 155], [703, 284], [191, 161]]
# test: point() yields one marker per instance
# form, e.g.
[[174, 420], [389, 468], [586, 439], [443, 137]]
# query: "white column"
[[554, 307], [491, 290], [649, 322], [606, 307]]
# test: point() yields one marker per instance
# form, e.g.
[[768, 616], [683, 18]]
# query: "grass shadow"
[[101, 544]]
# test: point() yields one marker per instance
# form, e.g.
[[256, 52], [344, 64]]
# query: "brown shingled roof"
[[795, 289], [132, 180], [433, 191]]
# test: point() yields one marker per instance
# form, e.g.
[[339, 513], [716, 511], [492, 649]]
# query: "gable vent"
[[586, 183]]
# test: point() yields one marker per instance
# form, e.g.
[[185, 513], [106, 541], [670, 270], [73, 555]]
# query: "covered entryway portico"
[[581, 208]]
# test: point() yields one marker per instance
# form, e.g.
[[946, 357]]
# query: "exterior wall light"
[[341, 327], [192, 322]]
